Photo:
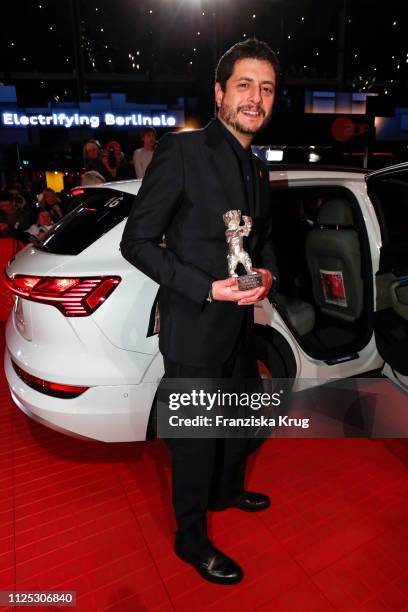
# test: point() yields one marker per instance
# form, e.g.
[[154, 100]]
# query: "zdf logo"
[[344, 128]]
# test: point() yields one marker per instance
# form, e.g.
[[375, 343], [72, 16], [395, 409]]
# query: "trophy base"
[[249, 281]]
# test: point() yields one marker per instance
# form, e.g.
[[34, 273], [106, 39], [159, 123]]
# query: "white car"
[[77, 357]]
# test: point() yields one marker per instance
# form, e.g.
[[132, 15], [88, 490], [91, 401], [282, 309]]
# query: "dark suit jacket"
[[193, 179]]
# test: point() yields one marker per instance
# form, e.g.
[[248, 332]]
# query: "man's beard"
[[230, 117]]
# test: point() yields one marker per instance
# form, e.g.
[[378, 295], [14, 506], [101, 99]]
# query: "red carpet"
[[97, 519]]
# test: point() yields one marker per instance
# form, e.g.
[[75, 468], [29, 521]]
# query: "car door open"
[[388, 190]]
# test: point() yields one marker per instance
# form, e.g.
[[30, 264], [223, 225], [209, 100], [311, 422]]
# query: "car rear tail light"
[[47, 387], [74, 297], [77, 191]]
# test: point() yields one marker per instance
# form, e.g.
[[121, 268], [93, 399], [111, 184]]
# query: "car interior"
[[325, 288], [389, 194]]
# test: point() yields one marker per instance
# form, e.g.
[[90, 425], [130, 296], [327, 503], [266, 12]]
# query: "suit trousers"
[[208, 473]]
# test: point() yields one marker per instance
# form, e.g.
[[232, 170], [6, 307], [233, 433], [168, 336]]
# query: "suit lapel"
[[226, 168], [253, 236], [257, 186]]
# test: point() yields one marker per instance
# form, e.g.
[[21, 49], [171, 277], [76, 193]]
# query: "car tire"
[[274, 354]]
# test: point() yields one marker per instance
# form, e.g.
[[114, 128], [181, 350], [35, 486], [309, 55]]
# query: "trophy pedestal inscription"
[[249, 281]]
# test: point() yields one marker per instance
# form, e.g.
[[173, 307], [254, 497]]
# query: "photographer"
[[115, 163]]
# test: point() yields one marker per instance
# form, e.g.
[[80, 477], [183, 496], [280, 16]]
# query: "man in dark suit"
[[206, 322]]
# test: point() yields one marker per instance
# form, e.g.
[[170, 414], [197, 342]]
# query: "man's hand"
[[267, 280], [227, 290]]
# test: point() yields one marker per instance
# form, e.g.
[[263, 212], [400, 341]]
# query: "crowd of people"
[[26, 216], [110, 164]]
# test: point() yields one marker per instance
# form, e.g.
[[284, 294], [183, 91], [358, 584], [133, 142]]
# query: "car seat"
[[334, 260]]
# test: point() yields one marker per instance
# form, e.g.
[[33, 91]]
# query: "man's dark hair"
[[247, 49], [147, 130]]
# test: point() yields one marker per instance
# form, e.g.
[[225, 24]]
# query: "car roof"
[[277, 173], [318, 167], [285, 172], [129, 186]]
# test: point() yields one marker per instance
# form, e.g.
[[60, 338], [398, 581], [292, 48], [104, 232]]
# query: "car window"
[[389, 194], [295, 213], [94, 212]]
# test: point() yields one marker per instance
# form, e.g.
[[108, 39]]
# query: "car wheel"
[[274, 355]]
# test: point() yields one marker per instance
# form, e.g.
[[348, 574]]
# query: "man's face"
[[149, 140], [246, 104]]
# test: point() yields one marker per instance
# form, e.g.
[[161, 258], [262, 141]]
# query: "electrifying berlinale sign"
[[68, 120]]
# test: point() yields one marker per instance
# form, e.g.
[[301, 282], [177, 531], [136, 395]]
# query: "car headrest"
[[336, 211]]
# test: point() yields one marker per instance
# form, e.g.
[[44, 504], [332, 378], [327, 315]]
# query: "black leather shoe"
[[213, 565], [251, 502]]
